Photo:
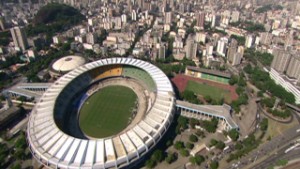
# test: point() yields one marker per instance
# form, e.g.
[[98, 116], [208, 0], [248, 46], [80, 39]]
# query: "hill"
[[54, 12], [53, 18]]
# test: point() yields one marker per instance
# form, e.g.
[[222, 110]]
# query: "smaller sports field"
[[207, 90], [107, 112]]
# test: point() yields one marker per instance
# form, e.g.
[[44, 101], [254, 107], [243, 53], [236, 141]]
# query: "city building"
[[200, 37], [237, 58], [235, 16], [133, 15], [281, 60], [208, 74], [91, 38], [168, 17], [19, 38], [65, 64], [249, 41], [190, 48], [221, 47], [266, 38], [162, 51], [293, 69], [200, 18], [2, 23], [209, 49], [232, 50], [288, 84]]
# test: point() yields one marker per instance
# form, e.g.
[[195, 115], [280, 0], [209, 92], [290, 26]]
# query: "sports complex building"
[[54, 132], [208, 74], [107, 114]]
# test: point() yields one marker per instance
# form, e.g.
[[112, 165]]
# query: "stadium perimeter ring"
[[56, 149]]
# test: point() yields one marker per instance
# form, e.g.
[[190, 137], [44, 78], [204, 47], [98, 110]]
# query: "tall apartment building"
[[293, 70], [168, 18], [281, 60], [266, 38], [221, 47], [249, 41], [235, 16], [162, 51], [232, 50], [190, 48], [200, 18], [2, 23], [200, 37], [91, 38], [19, 37]]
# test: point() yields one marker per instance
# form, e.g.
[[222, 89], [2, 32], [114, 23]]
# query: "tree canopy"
[[53, 18]]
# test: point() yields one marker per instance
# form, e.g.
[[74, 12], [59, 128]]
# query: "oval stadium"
[[104, 114]]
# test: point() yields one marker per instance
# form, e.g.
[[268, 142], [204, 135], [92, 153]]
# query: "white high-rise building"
[[221, 47], [133, 15], [209, 49], [249, 41], [235, 16], [168, 17], [237, 58], [213, 21], [200, 37], [124, 18]]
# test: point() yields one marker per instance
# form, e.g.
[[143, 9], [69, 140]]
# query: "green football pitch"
[[207, 90], [107, 112]]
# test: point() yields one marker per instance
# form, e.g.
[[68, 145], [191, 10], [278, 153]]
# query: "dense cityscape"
[[150, 84]]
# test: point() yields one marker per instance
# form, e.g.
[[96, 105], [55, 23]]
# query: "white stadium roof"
[[54, 148], [68, 63]]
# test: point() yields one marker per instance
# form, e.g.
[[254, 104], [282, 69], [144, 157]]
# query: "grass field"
[[107, 111], [206, 90]]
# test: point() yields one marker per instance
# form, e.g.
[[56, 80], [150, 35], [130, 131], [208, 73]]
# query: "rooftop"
[[217, 111], [68, 63], [209, 71]]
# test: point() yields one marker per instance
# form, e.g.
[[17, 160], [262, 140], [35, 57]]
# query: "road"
[[265, 149], [280, 155]]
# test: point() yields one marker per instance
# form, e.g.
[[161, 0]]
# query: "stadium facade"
[[56, 148]]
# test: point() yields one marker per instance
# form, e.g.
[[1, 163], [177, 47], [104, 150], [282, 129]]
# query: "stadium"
[[104, 114]]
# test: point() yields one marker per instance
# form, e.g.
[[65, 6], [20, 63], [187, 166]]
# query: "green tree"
[[16, 166], [178, 145], [183, 122], [157, 156], [238, 146], [213, 142], [197, 160], [171, 157], [21, 142], [220, 145], [208, 99], [190, 97], [150, 164], [189, 145], [200, 133], [184, 152], [264, 124], [193, 122], [193, 138], [233, 134], [210, 126], [214, 165]]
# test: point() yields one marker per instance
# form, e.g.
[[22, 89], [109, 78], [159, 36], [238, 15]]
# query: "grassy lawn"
[[107, 112], [276, 128], [206, 90]]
